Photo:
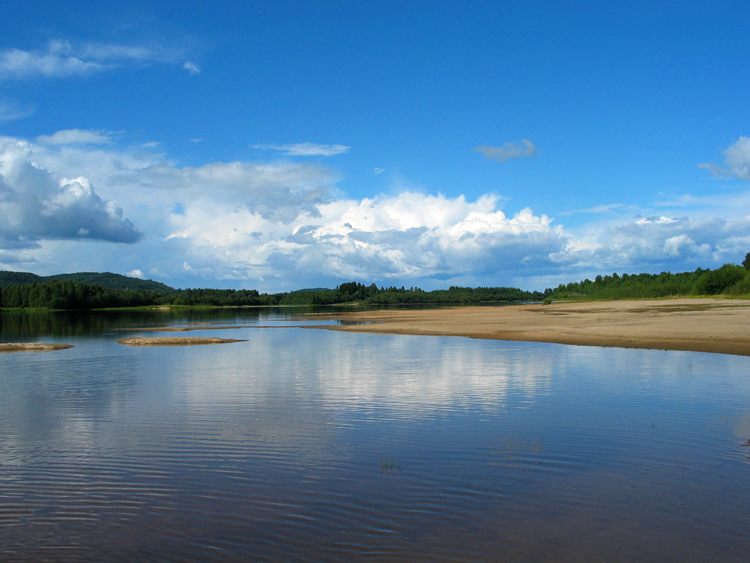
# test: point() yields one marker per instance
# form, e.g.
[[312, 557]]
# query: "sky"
[[280, 145]]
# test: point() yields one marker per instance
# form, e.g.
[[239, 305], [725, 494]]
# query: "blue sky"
[[290, 144]]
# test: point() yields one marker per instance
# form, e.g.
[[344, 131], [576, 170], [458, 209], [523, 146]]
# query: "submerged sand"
[[32, 347], [701, 325], [175, 341]]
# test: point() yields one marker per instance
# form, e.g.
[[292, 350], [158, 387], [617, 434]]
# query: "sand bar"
[[175, 341], [701, 325], [32, 347]]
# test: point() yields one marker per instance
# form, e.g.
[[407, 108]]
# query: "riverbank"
[[700, 325]]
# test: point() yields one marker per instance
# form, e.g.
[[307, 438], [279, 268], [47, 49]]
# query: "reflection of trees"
[[32, 324]]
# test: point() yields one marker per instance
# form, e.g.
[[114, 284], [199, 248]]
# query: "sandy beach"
[[701, 325]]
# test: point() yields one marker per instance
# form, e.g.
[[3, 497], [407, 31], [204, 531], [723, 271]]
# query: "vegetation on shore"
[[77, 295], [98, 291], [729, 280]]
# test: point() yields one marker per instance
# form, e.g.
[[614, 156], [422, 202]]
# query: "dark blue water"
[[309, 444]]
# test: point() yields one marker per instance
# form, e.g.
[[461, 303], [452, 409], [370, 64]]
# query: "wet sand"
[[32, 347], [175, 341], [701, 325]]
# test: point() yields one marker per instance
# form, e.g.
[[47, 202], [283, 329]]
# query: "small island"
[[175, 341], [32, 347]]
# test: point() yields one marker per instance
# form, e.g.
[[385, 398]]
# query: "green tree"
[[716, 281]]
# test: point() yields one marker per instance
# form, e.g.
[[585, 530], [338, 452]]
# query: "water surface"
[[309, 444]]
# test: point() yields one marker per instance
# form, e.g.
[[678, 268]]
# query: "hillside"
[[111, 281], [8, 279], [104, 279]]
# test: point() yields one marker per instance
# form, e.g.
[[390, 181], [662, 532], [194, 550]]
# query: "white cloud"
[[36, 204], [509, 151], [378, 171], [388, 237], [737, 157], [284, 225], [305, 149], [136, 273], [191, 67], [63, 58], [11, 111], [659, 242], [76, 137], [17, 63], [655, 220], [736, 161]]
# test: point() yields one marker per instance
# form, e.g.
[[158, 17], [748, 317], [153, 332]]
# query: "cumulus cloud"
[[305, 149], [659, 242], [278, 191], [153, 183], [64, 58], [736, 161], [36, 204], [76, 137], [409, 235], [284, 225], [136, 273], [509, 151]]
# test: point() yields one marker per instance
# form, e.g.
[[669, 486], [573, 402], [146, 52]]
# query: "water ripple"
[[320, 445]]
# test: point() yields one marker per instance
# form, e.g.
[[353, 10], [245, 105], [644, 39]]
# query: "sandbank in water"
[[32, 347], [175, 341]]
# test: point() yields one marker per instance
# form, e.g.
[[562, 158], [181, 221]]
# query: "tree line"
[[58, 294], [730, 279]]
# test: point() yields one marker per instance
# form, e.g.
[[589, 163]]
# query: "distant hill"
[[104, 279], [18, 278]]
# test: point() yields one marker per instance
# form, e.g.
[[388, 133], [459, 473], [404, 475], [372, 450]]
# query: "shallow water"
[[310, 444]]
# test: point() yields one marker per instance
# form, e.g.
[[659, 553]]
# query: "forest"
[[57, 294], [730, 280], [105, 290]]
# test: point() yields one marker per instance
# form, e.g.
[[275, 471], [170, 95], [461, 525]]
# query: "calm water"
[[310, 444]]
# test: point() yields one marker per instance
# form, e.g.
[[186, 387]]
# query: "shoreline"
[[697, 325]]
